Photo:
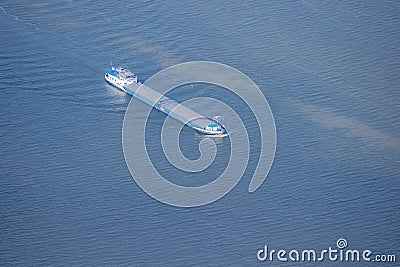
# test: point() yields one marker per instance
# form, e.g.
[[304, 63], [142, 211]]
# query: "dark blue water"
[[330, 72]]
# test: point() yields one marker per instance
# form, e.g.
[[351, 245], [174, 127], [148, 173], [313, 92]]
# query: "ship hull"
[[114, 83]]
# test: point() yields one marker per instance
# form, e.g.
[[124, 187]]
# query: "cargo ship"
[[127, 81]]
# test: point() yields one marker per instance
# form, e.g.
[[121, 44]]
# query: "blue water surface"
[[330, 71]]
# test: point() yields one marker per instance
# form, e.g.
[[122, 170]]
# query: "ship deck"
[[168, 106]]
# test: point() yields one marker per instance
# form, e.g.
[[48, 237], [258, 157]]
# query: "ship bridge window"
[[213, 127]]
